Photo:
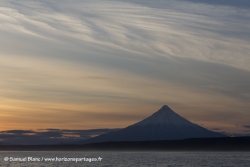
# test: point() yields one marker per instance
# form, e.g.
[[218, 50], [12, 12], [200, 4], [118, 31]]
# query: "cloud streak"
[[83, 56], [48, 136]]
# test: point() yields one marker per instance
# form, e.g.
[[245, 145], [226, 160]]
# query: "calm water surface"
[[130, 159]]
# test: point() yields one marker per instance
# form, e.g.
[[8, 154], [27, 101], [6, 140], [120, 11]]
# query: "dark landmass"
[[198, 144], [164, 124]]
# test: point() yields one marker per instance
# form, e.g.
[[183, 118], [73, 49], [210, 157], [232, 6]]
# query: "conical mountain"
[[164, 124]]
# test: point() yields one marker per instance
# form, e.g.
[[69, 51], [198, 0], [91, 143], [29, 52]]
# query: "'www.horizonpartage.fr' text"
[[54, 159]]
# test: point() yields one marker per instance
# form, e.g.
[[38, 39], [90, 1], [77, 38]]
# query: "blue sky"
[[110, 63]]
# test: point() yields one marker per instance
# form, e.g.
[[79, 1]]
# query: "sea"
[[123, 159]]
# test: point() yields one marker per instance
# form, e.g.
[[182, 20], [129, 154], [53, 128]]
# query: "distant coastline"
[[196, 144]]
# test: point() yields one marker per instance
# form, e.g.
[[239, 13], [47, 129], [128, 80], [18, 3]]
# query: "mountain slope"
[[164, 124]]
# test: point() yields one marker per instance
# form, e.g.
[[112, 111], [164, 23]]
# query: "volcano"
[[164, 124]]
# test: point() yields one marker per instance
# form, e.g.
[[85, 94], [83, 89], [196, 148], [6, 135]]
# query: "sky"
[[98, 64]]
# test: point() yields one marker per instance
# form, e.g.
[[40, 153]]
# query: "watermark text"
[[51, 159]]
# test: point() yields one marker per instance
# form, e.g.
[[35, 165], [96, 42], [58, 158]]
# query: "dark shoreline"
[[199, 144]]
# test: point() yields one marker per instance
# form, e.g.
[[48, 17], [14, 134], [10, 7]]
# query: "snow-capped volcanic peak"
[[164, 116]]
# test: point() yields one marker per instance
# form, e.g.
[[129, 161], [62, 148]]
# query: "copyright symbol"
[[6, 159]]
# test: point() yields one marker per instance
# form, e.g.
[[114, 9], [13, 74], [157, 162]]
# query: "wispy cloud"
[[246, 126], [83, 56]]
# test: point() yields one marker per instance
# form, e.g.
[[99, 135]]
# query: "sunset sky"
[[89, 64]]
